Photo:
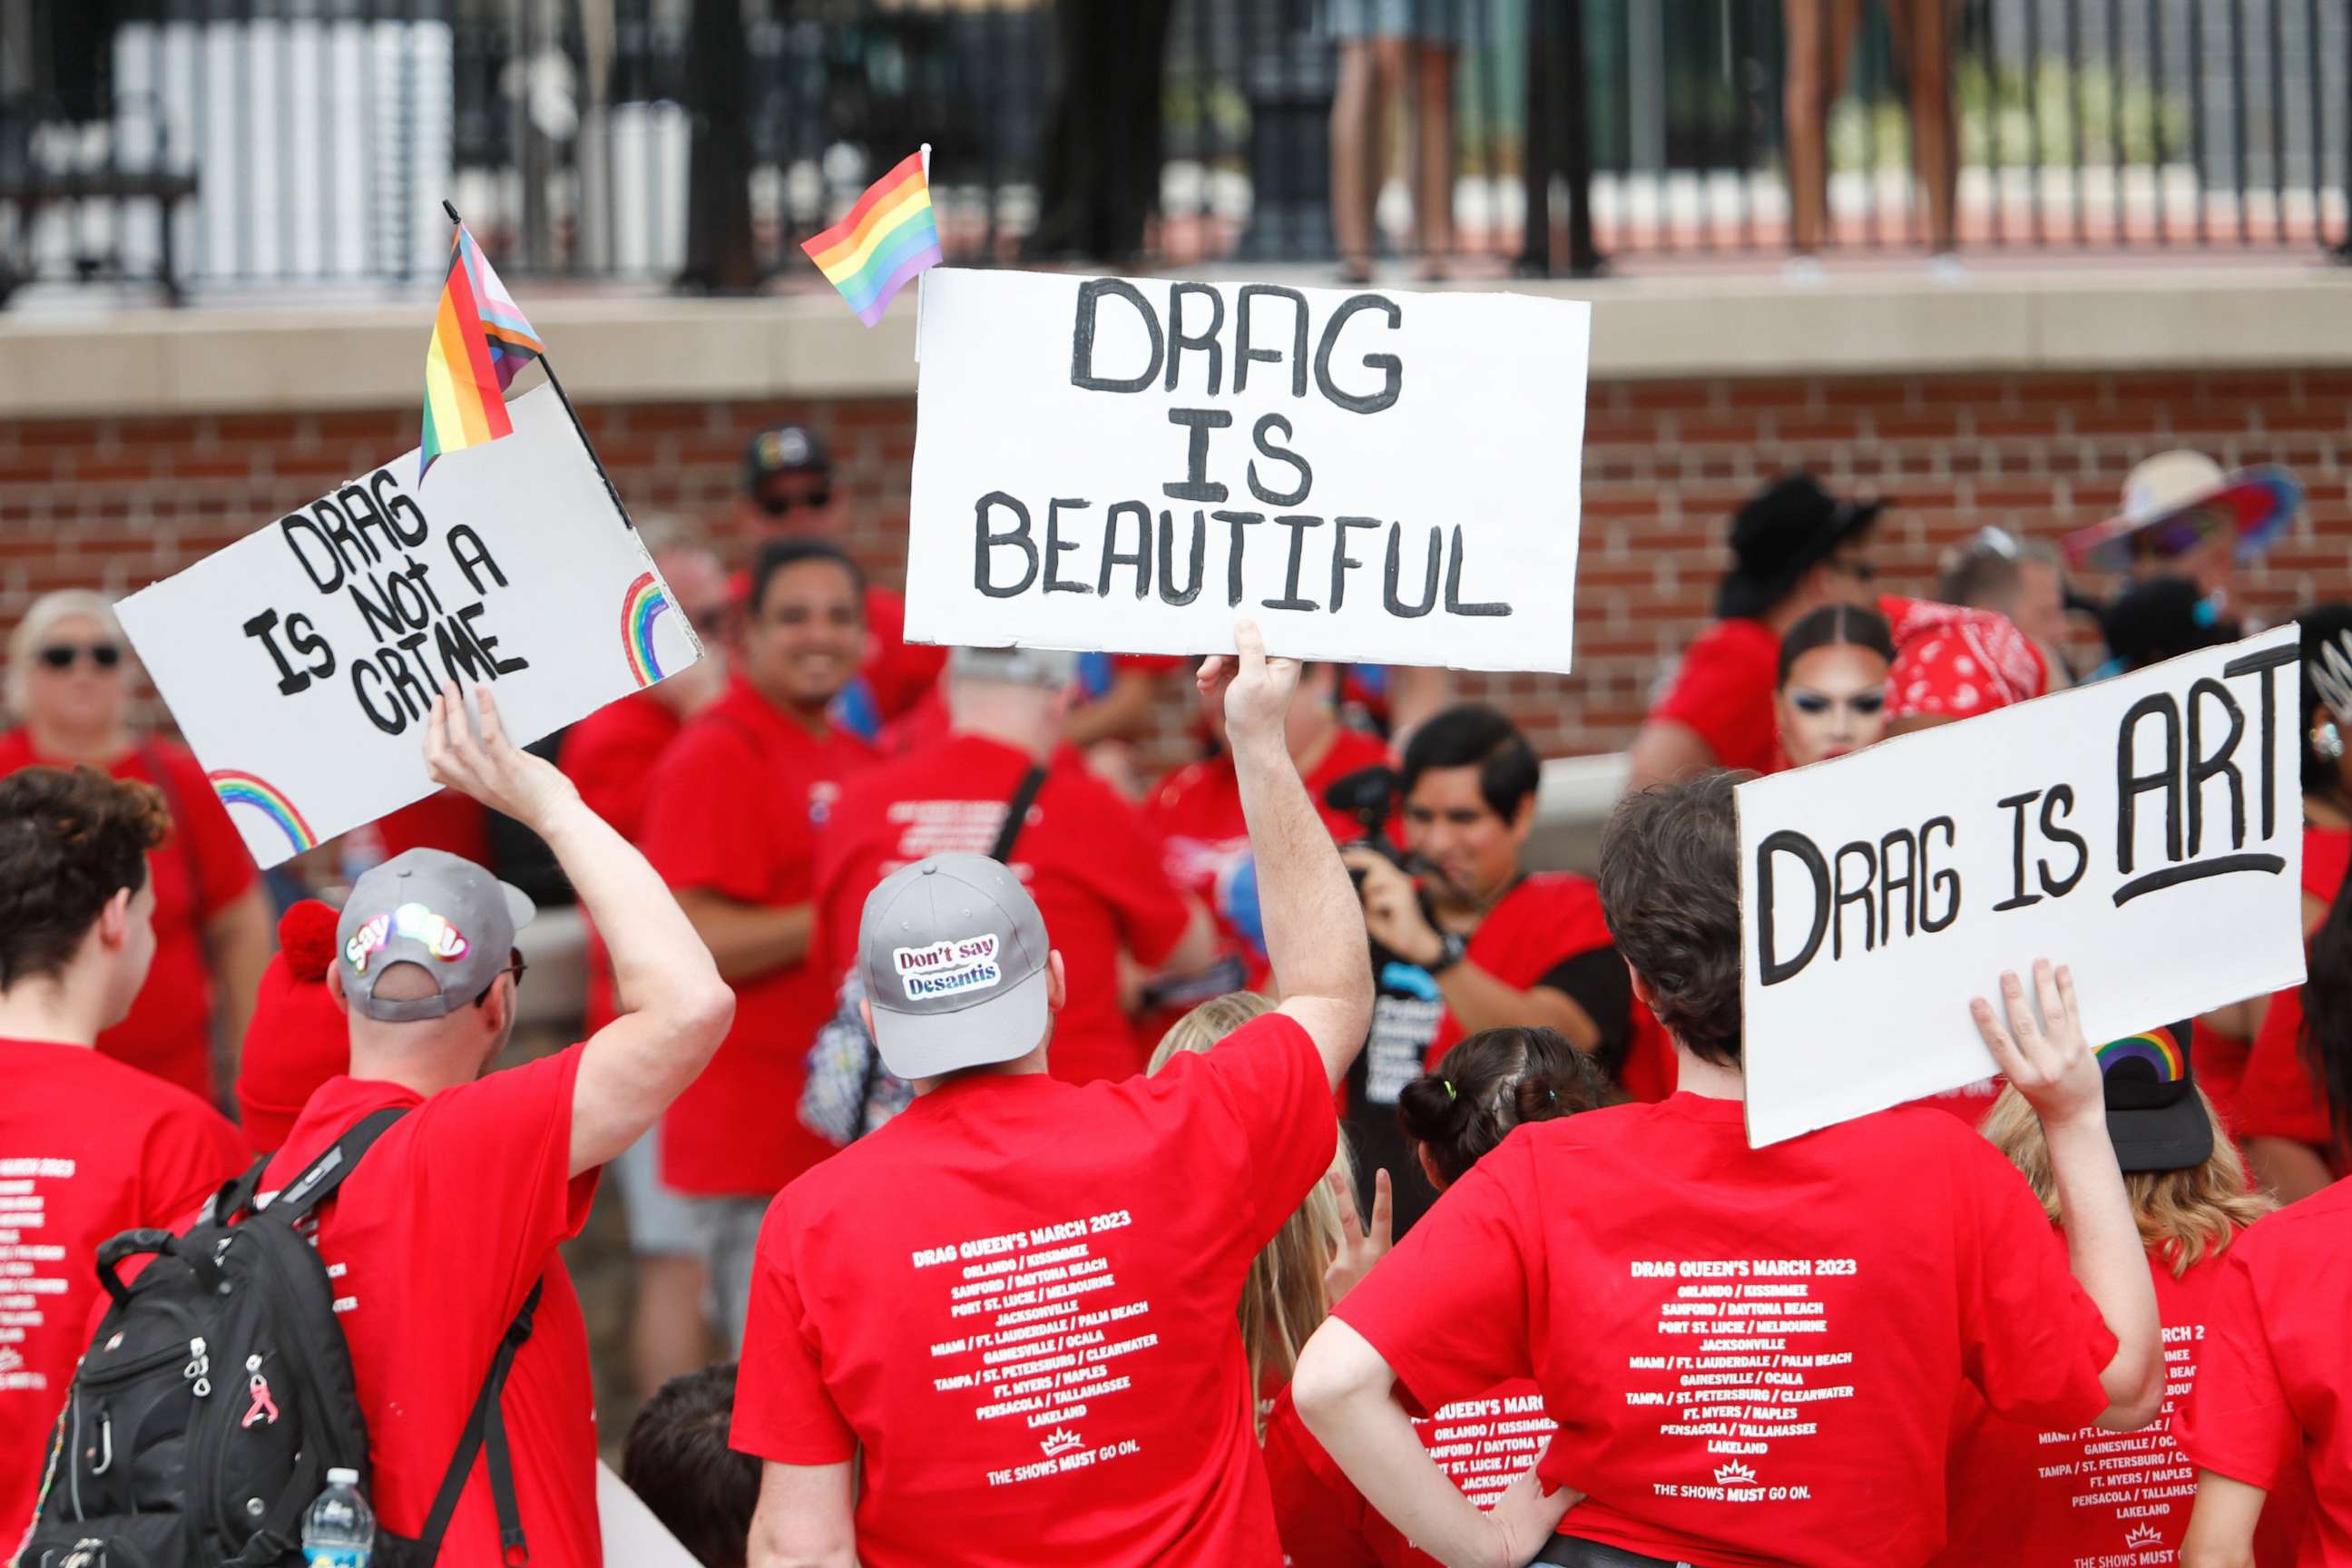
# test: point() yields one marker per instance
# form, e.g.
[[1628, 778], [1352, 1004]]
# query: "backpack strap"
[[1016, 813], [315, 1185], [486, 1426]]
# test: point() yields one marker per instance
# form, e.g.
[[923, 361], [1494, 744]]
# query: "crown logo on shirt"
[[1733, 1473], [1061, 1441], [2144, 1535]]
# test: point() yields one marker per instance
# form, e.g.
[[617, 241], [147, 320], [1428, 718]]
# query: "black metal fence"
[[243, 142]]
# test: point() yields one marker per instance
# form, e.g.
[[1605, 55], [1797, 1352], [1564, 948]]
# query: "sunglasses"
[[515, 966], [783, 506], [64, 656]]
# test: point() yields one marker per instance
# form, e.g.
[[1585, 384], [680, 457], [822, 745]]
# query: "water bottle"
[[340, 1530]]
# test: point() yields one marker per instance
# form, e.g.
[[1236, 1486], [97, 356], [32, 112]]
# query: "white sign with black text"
[[2145, 830], [300, 661], [1127, 464]]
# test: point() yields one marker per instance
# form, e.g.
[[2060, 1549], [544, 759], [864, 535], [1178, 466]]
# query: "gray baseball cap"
[[952, 950], [425, 907], [1015, 666]]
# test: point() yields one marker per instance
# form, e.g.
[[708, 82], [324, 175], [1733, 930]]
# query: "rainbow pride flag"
[[480, 342], [889, 237]]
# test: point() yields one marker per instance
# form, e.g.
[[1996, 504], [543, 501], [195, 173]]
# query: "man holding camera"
[[1465, 939]]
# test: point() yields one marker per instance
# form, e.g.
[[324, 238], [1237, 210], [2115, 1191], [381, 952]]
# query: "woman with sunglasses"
[[69, 692], [1830, 698]]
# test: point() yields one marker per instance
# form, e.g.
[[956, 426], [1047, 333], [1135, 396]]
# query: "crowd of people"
[[1027, 1163]]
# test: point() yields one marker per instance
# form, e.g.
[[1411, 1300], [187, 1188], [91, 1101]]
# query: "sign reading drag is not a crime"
[[2145, 830], [300, 661], [1127, 465]]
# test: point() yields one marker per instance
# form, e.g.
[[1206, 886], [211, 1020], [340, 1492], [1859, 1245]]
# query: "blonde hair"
[[42, 617], [1283, 1301], [2182, 1214]]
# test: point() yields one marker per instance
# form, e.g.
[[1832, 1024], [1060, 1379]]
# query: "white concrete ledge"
[[224, 358]]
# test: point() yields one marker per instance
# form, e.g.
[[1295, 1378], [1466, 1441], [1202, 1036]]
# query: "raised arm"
[[2054, 1068], [1314, 932], [679, 1007]]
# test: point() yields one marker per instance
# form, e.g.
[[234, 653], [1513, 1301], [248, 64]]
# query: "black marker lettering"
[[1271, 422], [1391, 367], [2130, 787], [1857, 894], [391, 723], [1082, 337], [1299, 525], [1785, 842], [290, 680], [398, 506], [1179, 340], [1197, 485], [473, 557], [1948, 882], [1168, 593], [1243, 354], [2017, 897], [1239, 522], [986, 541], [1056, 547], [327, 580], [2266, 664], [1888, 881], [2203, 765], [1396, 606], [2060, 802], [1453, 604], [488, 645], [1114, 557], [1341, 559]]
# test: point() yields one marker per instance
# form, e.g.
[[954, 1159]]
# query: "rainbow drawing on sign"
[[237, 788], [645, 600], [2155, 1048]]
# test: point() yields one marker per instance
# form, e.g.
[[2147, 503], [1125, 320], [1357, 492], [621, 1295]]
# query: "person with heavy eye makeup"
[[1831, 694]]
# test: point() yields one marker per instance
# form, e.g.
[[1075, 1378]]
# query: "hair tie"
[[1449, 1089], [1552, 1094]]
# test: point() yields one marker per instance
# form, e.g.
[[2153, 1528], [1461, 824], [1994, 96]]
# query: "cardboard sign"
[[300, 661], [632, 1533], [1127, 465], [2147, 831]]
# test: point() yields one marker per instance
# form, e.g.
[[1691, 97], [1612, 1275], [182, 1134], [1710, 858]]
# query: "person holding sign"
[[450, 1225], [735, 810], [1754, 1355], [2030, 1499], [1055, 1376], [68, 685], [1795, 547]]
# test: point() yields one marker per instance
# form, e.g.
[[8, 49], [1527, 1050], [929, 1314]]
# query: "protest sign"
[[300, 661], [1127, 465], [2145, 830]]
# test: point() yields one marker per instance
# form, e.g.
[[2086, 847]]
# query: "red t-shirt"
[[433, 1243], [1481, 1444], [609, 757], [1056, 1378], [897, 672], [89, 1148], [1196, 815], [1723, 691], [1755, 1354], [1083, 855], [736, 806], [2273, 1393], [199, 869], [2026, 1498], [2277, 1096]]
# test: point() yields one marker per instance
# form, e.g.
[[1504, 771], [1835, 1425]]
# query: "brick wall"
[[116, 502]]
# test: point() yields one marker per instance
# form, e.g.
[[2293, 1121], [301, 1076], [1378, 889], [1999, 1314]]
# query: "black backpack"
[[218, 1393]]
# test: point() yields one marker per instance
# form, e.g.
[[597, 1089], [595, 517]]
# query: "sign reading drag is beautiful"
[[300, 661], [1127, 465], [2145, 830]]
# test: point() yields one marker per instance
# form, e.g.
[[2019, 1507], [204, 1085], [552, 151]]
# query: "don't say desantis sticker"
[[948, 968]]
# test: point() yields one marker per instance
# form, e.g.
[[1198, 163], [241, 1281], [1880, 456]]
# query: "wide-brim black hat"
[[2156, 1118], [1779, 535]]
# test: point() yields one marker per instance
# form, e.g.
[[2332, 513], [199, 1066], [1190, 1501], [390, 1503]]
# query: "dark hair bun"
[[1490, 1083]]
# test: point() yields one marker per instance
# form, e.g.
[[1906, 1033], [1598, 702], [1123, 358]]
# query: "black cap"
[[784, 449], [1783, 530], [2163, 618], [2156, 1118]]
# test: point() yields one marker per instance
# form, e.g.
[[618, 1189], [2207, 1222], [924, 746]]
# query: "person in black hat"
[[789, 493], [2043, 1499], [1795, 547], [2161, 618]]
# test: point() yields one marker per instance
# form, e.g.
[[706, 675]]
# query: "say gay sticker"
[[946, 968]]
